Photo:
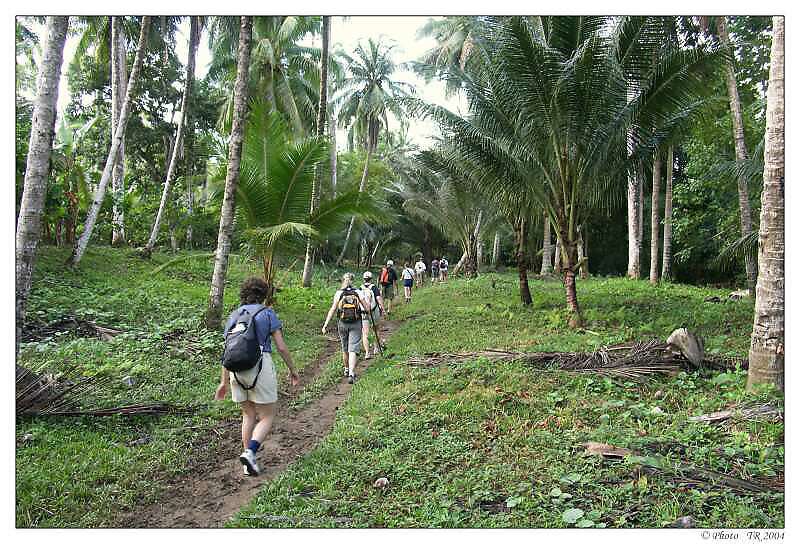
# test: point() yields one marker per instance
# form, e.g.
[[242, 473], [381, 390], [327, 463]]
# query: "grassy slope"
[[74, 471], [498, 445]]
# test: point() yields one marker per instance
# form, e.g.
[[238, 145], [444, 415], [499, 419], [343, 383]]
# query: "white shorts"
[[266, 389]]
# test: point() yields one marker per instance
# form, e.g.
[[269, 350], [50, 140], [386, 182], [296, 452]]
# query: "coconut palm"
[[38, 164], [366, 97], [549, 120], [274, 192], [766, 355]]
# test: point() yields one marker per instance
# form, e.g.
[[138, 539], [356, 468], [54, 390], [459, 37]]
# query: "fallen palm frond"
[[82, 327], [66, 393], [758, 412], [632, 360]]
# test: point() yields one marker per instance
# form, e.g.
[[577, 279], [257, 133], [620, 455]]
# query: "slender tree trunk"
[[569, 250], [582, 257], [766, 356], [471, 264], [213, 315], [521, 235], [100, 192], [191, 142], [496, 250], [363, 185], [634, 199], [460, 264], [37, 168], [640, 208], [745, 213], [666, 256], [655, 217], [557, 261], [176, 148], [333, 150], [547, 249], [119, 84], [308, 267]]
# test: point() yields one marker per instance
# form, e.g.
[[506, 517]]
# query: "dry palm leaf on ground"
[[631, 360]]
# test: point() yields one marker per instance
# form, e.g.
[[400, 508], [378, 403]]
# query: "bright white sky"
[[347, 32]]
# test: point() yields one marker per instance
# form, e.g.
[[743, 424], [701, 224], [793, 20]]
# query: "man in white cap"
[[372, 296]]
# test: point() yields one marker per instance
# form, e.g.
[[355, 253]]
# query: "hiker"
[[255, 388], [372, 296], [434, 270], [420, 269], [408, 281], [348, 305], [443, 264], [388, 281]]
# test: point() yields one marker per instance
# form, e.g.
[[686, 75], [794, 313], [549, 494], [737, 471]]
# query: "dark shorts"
[[408, 283], [387, 291], [434, 272]]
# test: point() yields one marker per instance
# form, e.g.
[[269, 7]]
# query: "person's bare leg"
[[248, 422], [266, 414], [365, 337], [344, 360]]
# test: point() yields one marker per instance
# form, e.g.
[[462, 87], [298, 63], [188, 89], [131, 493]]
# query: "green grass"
[[75, 471], [478, 444], [499, 445]]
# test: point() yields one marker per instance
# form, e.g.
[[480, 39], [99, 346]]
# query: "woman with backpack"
[[388, 279], [408, 280], [372, 296], [252, 382], [348, 305]]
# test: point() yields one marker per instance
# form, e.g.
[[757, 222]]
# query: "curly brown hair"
[[253, 290]]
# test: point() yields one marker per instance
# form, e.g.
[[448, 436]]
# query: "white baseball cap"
[[367, 275], [390, 263]]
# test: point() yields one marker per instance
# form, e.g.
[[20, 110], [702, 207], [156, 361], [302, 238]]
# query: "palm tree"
[[213, 314], [274, 193], [745, 214], [119, 84], [549, 121], [281, 69], [100, 191], [655, 204], [308, 266], [766, 355], [194, 39], [666, 255], [366, 98], [38, 164]]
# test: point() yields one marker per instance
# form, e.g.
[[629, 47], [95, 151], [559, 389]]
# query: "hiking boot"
[[248, 459]]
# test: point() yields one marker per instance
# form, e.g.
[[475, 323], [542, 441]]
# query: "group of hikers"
[[247, 367]]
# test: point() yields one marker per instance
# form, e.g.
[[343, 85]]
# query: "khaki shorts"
[[350, 336], [266, 389]]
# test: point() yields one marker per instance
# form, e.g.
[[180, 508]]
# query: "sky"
[[401, 30]]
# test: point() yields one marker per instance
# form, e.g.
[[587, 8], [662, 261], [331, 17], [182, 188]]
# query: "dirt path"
[[214, 488]]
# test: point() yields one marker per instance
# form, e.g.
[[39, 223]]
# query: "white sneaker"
[[248, 459]]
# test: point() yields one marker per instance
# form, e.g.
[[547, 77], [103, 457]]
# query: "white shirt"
[[420, 267], [408, 274]]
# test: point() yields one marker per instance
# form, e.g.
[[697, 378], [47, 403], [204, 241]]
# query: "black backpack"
[[242, 350], [349, 311]]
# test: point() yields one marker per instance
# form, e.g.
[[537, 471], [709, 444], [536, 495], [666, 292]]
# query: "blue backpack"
[[242, 349]]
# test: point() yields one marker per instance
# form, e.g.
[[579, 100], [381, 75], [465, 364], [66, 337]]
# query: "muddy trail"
[[213, 488]]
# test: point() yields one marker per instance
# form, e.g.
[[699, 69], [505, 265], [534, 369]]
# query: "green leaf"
[[572, 515], [585, 523], [572, 478], [555, 492], [511, 502]]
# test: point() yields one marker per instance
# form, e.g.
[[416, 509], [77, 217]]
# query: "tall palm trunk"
[[666, 256], [634, 204], [767, 342], [40, 145], [569, 251], [213, 315], [100, 192], [745, 214], [189, 163], [308, 267], [119, 84], [496, 250], [176, 148], [332, 136], [583, 257], [547, 249], [521, 235], [655, 218], [372, 140], [557, 259], [473, 248]]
